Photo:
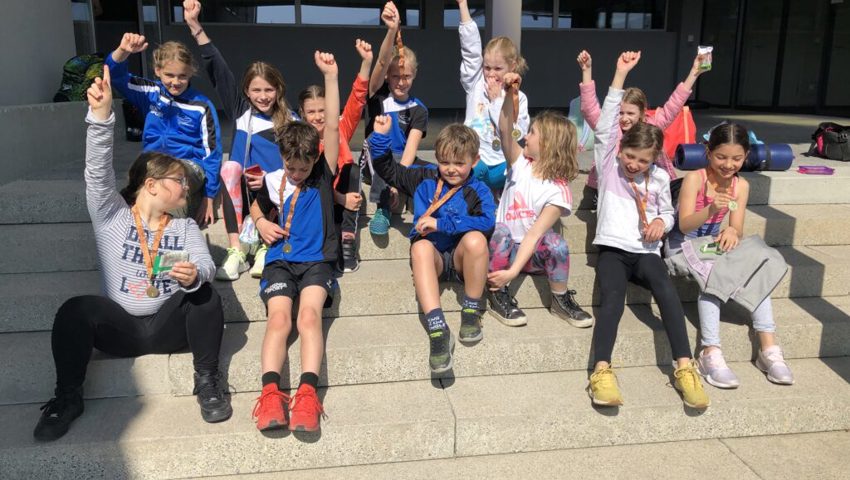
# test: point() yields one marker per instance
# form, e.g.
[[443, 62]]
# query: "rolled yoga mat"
[[773, 157]]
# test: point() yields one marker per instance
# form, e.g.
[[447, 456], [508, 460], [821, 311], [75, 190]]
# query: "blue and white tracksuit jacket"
[[185, 127]]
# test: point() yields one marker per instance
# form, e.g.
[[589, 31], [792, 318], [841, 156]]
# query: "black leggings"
[[349, 181], [614, 269], [194, 319]]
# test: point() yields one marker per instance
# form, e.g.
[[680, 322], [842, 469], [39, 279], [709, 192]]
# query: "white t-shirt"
[[524, 197]]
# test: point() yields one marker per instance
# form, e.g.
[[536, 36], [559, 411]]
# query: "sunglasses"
[[183, 181]]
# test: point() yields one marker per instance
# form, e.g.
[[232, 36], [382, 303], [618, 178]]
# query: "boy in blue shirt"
[[300, 261], [453, 217]]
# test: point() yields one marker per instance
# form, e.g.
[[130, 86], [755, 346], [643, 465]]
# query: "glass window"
[[537, 13], [614, 14], [451, 14], [311, 12]]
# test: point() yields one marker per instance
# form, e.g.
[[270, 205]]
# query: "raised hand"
[[133, 43], [512, 80], [191, 11], [326, 63], [364, 48], [627, 61], [584, 60], [390, 16], [382, 124], [99, 96]]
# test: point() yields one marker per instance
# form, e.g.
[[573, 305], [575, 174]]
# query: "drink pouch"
[[712, 247], [166, 260], [704, 54]]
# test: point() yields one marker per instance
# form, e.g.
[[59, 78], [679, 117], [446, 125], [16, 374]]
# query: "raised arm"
[[510, 147], [102, 199], [357, 98], [665, 115], [191, 12], [625, 63], [472, 60], [391, 18], [214, 64], [587, 90], [327, 65], [146, 91]]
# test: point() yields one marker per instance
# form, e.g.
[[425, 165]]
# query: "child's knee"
[[422, 251], [475, 243], [279, 321], [309, 320], [557, 246]]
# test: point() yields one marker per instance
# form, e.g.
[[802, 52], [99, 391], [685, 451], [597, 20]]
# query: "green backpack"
[[78, 74]]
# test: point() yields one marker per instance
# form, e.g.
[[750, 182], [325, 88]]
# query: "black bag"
[[78, 73], [832, 141]]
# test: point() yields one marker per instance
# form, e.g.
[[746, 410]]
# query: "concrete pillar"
[[36, 38], [504, 18]]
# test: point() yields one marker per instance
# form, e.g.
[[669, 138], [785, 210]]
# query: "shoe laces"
[[233, 253], [268, 396], [307, 402], [716, 361], [688, 374], [211, 389], [505, 297], [604, 377], [569, 297], [53, 407], [437, 339], [774, 356]]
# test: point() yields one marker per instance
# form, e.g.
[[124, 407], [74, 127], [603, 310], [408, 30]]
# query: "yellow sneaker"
[[603, 388], [688, 382]]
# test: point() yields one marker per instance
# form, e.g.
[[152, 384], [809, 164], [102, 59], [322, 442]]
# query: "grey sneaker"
[[565, 307], [470, 326], [442, 345], [503, 306], [712, 366], [771, 362]]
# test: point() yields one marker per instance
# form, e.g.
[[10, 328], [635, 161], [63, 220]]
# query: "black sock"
[[310, 378], [436, 320], [271, 377], [471, 305]]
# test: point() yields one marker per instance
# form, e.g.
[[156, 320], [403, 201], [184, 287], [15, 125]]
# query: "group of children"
[[295, 175]]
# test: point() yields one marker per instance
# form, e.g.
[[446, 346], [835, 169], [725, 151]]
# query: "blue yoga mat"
[[763, 157]]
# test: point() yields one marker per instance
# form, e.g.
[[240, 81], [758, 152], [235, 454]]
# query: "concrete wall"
[[37, 37], [551, 82]]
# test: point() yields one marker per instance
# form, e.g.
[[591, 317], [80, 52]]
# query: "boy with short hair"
[[453, 217], [300, 260]]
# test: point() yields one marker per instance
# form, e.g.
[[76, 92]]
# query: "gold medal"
[[733, 205], [516, 134], [287, 247], [152, 291], [497, 144]]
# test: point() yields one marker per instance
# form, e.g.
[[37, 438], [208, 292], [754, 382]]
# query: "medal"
[[150, 253], [293, 199], [497, 144], [516, 134], [733, 205]]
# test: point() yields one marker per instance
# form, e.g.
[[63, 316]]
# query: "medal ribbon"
[[640, 202], [438, 202], [292, 201], [149, 254]]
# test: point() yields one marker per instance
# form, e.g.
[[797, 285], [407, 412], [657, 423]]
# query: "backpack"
[[78, 74], [683, 130], [832, 141]]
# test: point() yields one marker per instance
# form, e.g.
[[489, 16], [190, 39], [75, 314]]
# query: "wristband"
[[198, 33]]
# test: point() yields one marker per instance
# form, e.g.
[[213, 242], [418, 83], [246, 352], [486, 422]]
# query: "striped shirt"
[[124, 276]]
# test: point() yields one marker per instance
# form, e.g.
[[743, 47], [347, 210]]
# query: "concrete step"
[[60, 197], [159, 436], [726, 458], [385, 287], [394, 348], [162, 436], [70, 246]]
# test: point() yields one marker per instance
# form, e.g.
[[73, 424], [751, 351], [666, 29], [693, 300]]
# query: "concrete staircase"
[[519, 390]]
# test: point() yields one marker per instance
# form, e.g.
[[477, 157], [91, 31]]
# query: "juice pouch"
[[704, 54], [165, 260]]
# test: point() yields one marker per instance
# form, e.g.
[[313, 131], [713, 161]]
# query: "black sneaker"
[[349, 256], [58, 414], [442, 345], [565, 307], [470, 326], [214, 402], [503, 306]]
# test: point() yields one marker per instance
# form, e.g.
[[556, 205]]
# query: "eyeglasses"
[[183, 181]]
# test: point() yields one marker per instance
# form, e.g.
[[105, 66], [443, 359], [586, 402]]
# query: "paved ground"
[[779, 457]]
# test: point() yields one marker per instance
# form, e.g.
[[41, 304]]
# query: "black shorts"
[[281, 278]]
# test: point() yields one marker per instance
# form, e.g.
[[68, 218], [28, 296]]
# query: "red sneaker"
[[305, 409], [268, 411]]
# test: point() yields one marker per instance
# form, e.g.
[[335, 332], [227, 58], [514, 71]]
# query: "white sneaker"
[[771, 362], [234, 264], [712, 366], [259, 261]]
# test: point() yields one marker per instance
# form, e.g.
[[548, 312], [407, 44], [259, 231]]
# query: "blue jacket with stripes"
[[185, 126]]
